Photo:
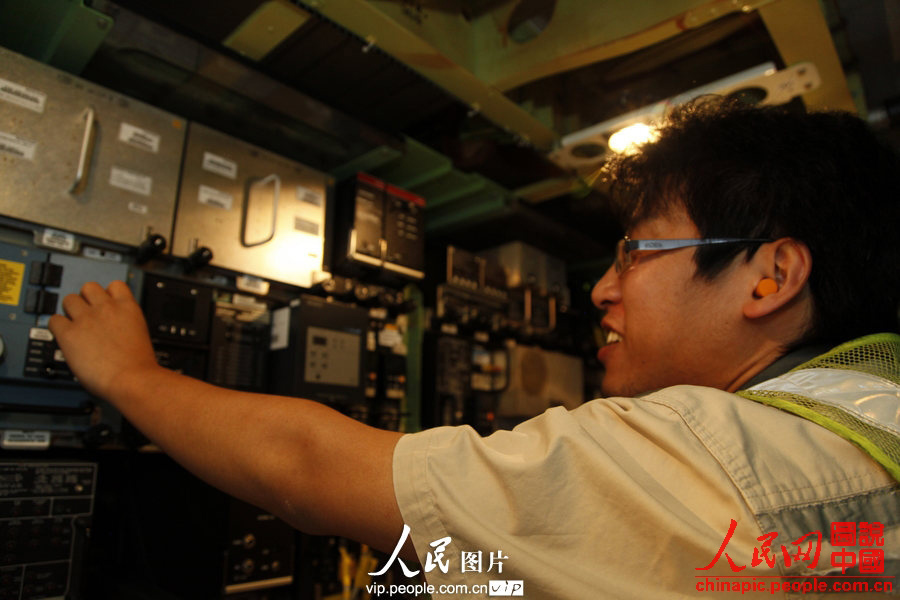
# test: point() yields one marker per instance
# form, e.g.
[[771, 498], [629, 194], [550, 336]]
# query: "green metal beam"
[[381, 25], [61, 33], [491, 202]]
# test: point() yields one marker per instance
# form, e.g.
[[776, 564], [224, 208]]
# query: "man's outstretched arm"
[[318, 470]]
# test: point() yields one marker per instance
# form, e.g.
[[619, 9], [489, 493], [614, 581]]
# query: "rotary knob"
[[248, 566]]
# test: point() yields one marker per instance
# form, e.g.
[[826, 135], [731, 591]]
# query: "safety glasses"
[[626, 246]]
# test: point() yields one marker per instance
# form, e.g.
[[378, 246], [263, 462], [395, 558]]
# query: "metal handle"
[[276, 181], [87, 150]]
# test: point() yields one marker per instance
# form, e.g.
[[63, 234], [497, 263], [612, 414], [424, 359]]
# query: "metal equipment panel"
[[404, 229], [260, 213], [32, 285], [45, 520], [39, 397], [81, 158], [319, 351]]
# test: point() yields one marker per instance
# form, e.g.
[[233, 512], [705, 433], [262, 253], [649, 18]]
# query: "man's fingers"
[[74, 305], [94, 293], [58, 325], [119, 290]]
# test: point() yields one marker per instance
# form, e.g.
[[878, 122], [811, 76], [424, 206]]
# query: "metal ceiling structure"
[[477, 61]]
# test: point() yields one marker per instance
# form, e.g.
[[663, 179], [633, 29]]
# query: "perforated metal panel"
[[78, 157]]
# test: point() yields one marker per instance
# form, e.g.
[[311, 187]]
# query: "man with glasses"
[[752, 386]]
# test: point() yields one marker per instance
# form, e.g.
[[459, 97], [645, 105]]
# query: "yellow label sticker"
[[11, 276]]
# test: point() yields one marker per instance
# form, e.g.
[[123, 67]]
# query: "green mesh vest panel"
[[876, 355]]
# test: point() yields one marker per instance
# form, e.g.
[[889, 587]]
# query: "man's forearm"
[[304, 462]]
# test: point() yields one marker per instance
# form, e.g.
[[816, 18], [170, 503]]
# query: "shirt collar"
[[792, 359]]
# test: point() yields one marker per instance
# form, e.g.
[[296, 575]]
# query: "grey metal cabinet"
[[261, 214], [84, 159]]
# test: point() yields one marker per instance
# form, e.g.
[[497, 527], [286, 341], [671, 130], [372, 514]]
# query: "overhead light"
[[764, 84], [628, 139]]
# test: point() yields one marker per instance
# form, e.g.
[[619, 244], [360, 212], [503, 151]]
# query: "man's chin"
[[615, 386], [610, 387]]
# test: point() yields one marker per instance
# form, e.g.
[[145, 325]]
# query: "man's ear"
[[778, 274]]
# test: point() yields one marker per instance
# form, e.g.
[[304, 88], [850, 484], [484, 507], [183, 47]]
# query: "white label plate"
[[25, 440], [22, 96], [60, 240], [210, 196], [139, 138], [130, 181], [219, 165], [16, 146]]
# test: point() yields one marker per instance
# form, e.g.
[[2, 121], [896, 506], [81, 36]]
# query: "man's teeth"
[[612, 337]]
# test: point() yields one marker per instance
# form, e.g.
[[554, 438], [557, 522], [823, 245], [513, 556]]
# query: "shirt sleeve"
[[569, 500]]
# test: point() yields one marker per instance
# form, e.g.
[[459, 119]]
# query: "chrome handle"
[[87, 150], [276, 182]]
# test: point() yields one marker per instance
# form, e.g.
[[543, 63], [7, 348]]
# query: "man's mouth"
[[612, 337]]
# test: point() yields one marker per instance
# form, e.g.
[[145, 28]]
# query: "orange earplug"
[[766, 286]]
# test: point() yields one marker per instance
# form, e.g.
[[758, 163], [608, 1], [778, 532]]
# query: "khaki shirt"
[[630, 498]]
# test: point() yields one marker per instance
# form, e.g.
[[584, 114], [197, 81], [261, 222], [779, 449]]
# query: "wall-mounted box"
[[260, 213], [81, 158]]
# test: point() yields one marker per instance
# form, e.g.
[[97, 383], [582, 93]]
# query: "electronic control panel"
[[332, 357], [404, 232], [45, 514], [380, 225], [318, 350], [365, 242], [178, 317], [239, 342], [38, 392], [32, 285], [259, 550]]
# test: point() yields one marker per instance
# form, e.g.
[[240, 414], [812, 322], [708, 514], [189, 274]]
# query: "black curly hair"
[[823, 178]]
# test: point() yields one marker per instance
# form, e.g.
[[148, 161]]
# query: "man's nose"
[[607, 291]]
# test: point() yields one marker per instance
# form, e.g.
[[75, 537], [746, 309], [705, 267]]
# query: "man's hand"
[[103, 336]]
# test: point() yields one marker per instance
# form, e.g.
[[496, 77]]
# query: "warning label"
[[11, 276]]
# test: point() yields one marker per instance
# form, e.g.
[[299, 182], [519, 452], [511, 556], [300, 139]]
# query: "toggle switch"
[[41, 302], [45, 273]]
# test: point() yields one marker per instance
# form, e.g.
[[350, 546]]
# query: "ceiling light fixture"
[[764, 84]]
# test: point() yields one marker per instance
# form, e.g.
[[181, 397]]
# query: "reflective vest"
[[852, 390]]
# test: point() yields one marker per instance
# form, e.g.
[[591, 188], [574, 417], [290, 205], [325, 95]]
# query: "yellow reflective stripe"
[[865, 444], [873, 355]]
